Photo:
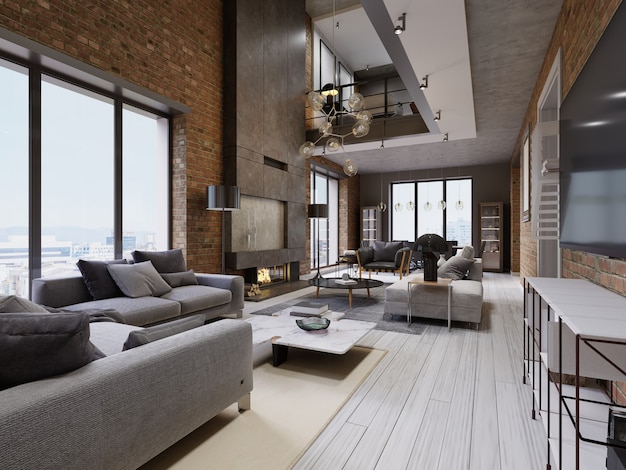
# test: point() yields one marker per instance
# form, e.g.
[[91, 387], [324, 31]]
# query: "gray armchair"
[[384, 257]]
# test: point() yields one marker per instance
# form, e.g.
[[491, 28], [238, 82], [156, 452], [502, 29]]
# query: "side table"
[[440, 282]]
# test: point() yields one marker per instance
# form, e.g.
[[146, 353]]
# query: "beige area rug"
[[291, 405]]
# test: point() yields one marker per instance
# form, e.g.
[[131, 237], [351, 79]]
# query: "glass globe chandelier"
[[324, 102], [334, 141]]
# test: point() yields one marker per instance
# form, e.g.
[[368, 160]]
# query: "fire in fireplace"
[[270, 275]]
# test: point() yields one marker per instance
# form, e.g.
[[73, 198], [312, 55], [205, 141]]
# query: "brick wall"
[[174, 49], [515, 216]]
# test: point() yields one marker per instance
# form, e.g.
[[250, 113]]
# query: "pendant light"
[[427, 205], [381, 205], [410, 205], [398, 205], [459, 204], [442, 203]]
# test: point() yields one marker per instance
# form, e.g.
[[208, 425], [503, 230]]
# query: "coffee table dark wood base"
[[331, 283]]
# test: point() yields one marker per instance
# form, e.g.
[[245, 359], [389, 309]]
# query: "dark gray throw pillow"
[[187, 278], [154, 333], [99, 282], [366, 255], [386, 251], [169, 261], [34, 346], [455, 268], [139, 279]]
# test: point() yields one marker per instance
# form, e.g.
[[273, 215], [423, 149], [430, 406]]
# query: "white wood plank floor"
[[442, 400]]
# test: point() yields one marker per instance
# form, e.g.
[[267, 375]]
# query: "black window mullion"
[[34, 174], [117, 178]]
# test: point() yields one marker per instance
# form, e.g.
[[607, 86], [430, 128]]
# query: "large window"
[[459, 211], [95, 185], [14, 224], [146, 197], [429, 212], [77, 157], [403, 215], [324, 190], [443, 207]]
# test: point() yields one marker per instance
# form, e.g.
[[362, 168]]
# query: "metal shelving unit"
[[491, 235]]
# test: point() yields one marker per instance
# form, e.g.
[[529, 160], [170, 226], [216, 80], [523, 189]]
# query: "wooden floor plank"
[[428, 445], [458, 437], [399, 446], [485, 449]]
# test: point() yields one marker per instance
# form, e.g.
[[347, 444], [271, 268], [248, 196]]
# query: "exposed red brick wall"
[[174, 49], [515, 217]]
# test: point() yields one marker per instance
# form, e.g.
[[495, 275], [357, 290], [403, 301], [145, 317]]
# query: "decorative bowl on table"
[[313, 323]]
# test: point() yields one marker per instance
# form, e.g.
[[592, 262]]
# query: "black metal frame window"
[[89, 172]]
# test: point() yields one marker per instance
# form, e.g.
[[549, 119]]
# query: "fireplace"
[[271, 275]]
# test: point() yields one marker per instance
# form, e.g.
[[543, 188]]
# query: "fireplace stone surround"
[[264, 86]]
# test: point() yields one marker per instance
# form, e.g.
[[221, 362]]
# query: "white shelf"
[[591, 312]]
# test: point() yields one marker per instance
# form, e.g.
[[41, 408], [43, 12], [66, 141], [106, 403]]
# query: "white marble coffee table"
[[281, 330]]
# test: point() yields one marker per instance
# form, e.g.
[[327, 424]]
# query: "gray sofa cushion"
[[455, 268], [156, 332], [139, 311], [197, 298], [366, 255], [186, 278], [34, 346], [97, 278], [139, 279], [169, 261], [15, 304]]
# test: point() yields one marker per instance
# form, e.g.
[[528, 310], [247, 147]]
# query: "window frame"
[[40, 61]]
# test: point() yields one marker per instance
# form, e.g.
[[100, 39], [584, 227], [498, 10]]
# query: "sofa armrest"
[[124, 409], [475, 272], [60, 291], [233, 283]]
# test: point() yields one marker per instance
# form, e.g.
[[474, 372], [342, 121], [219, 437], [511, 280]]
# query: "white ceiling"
[[482, 58]]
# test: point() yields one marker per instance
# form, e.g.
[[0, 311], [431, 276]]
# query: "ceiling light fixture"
[[324, 102], [381, 205], [399, 29], [445, 137], [438, 115], [424, 83]]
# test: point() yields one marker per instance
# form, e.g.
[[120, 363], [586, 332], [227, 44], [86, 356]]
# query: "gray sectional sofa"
[[432, 302], [215, 295], [120, 411], [157, 287]]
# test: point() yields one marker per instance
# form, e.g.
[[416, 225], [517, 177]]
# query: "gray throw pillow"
[[139, 279], [455, 268], [99, 282], [187, 278], [15, 304], [468, 252], [154, 333], [169, 261], [34, 346]]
